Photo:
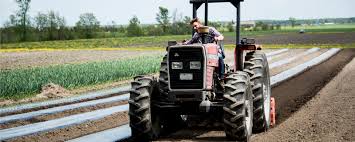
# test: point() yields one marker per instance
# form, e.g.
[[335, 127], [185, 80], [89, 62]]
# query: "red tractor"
[[189, 84]]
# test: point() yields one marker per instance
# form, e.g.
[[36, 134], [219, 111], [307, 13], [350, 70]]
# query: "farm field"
[[92, 77], [299, 89], [41, 56], [177, 71]]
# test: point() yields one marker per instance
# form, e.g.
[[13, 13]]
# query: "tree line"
[[20, 27], [46, 26]]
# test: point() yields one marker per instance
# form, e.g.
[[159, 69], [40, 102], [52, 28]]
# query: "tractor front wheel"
[[144, 121]]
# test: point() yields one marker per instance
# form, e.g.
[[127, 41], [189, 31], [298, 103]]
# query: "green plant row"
[[20, 83]]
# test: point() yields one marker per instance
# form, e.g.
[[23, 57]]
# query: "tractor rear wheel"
[[257, 66], [238, 108], [144, 121]]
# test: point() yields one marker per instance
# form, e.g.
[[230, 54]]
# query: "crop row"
[[19, 83]]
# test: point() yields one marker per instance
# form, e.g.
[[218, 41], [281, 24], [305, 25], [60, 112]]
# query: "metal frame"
[[236, 3]]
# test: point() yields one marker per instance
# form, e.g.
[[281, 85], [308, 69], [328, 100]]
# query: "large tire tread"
[[140, 108], [163, 80], [237, 90], [256, 66]]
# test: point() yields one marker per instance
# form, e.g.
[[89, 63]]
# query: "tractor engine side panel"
[[212, 63]]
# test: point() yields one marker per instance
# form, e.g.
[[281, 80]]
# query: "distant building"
[[248, 24]]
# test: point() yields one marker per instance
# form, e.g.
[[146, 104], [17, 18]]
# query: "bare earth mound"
[[52, 90], [329, 116]]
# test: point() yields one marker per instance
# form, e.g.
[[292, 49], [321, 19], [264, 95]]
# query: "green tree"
[[176, 19], [10, 30], [278, 27], [186, 25], [230, 26], [163, 18], [61, 26], [134, 28], [121, 29], [12, 21], [153, 30], [52, 25], [264, 27], [24, 6], [292, 21], [87, 25], [217, 25], [41, 23]]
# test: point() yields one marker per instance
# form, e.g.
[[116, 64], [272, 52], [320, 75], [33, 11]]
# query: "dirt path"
[[329, 116]]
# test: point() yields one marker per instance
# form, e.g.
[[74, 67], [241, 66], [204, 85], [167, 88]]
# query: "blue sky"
[[121, 11]]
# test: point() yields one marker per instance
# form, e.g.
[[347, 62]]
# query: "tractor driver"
[[195, 23]]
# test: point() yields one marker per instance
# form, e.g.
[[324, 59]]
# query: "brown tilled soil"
[[307, 38], [329, 116], [10, 60], [290, 97]]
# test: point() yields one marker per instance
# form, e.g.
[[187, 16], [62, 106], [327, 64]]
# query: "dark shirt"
[[212, 32]]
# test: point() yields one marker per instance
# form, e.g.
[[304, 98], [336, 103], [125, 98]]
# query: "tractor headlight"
[[176, 65], [195, 65]]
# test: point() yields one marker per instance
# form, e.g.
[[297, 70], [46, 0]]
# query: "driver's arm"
[[217, 35], [193, 39]]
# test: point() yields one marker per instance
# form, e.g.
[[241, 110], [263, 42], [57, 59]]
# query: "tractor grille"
[[185, 55]]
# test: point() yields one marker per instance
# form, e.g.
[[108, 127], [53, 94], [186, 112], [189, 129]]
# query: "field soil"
[[11, 60], [306, 38], [329, 116]]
